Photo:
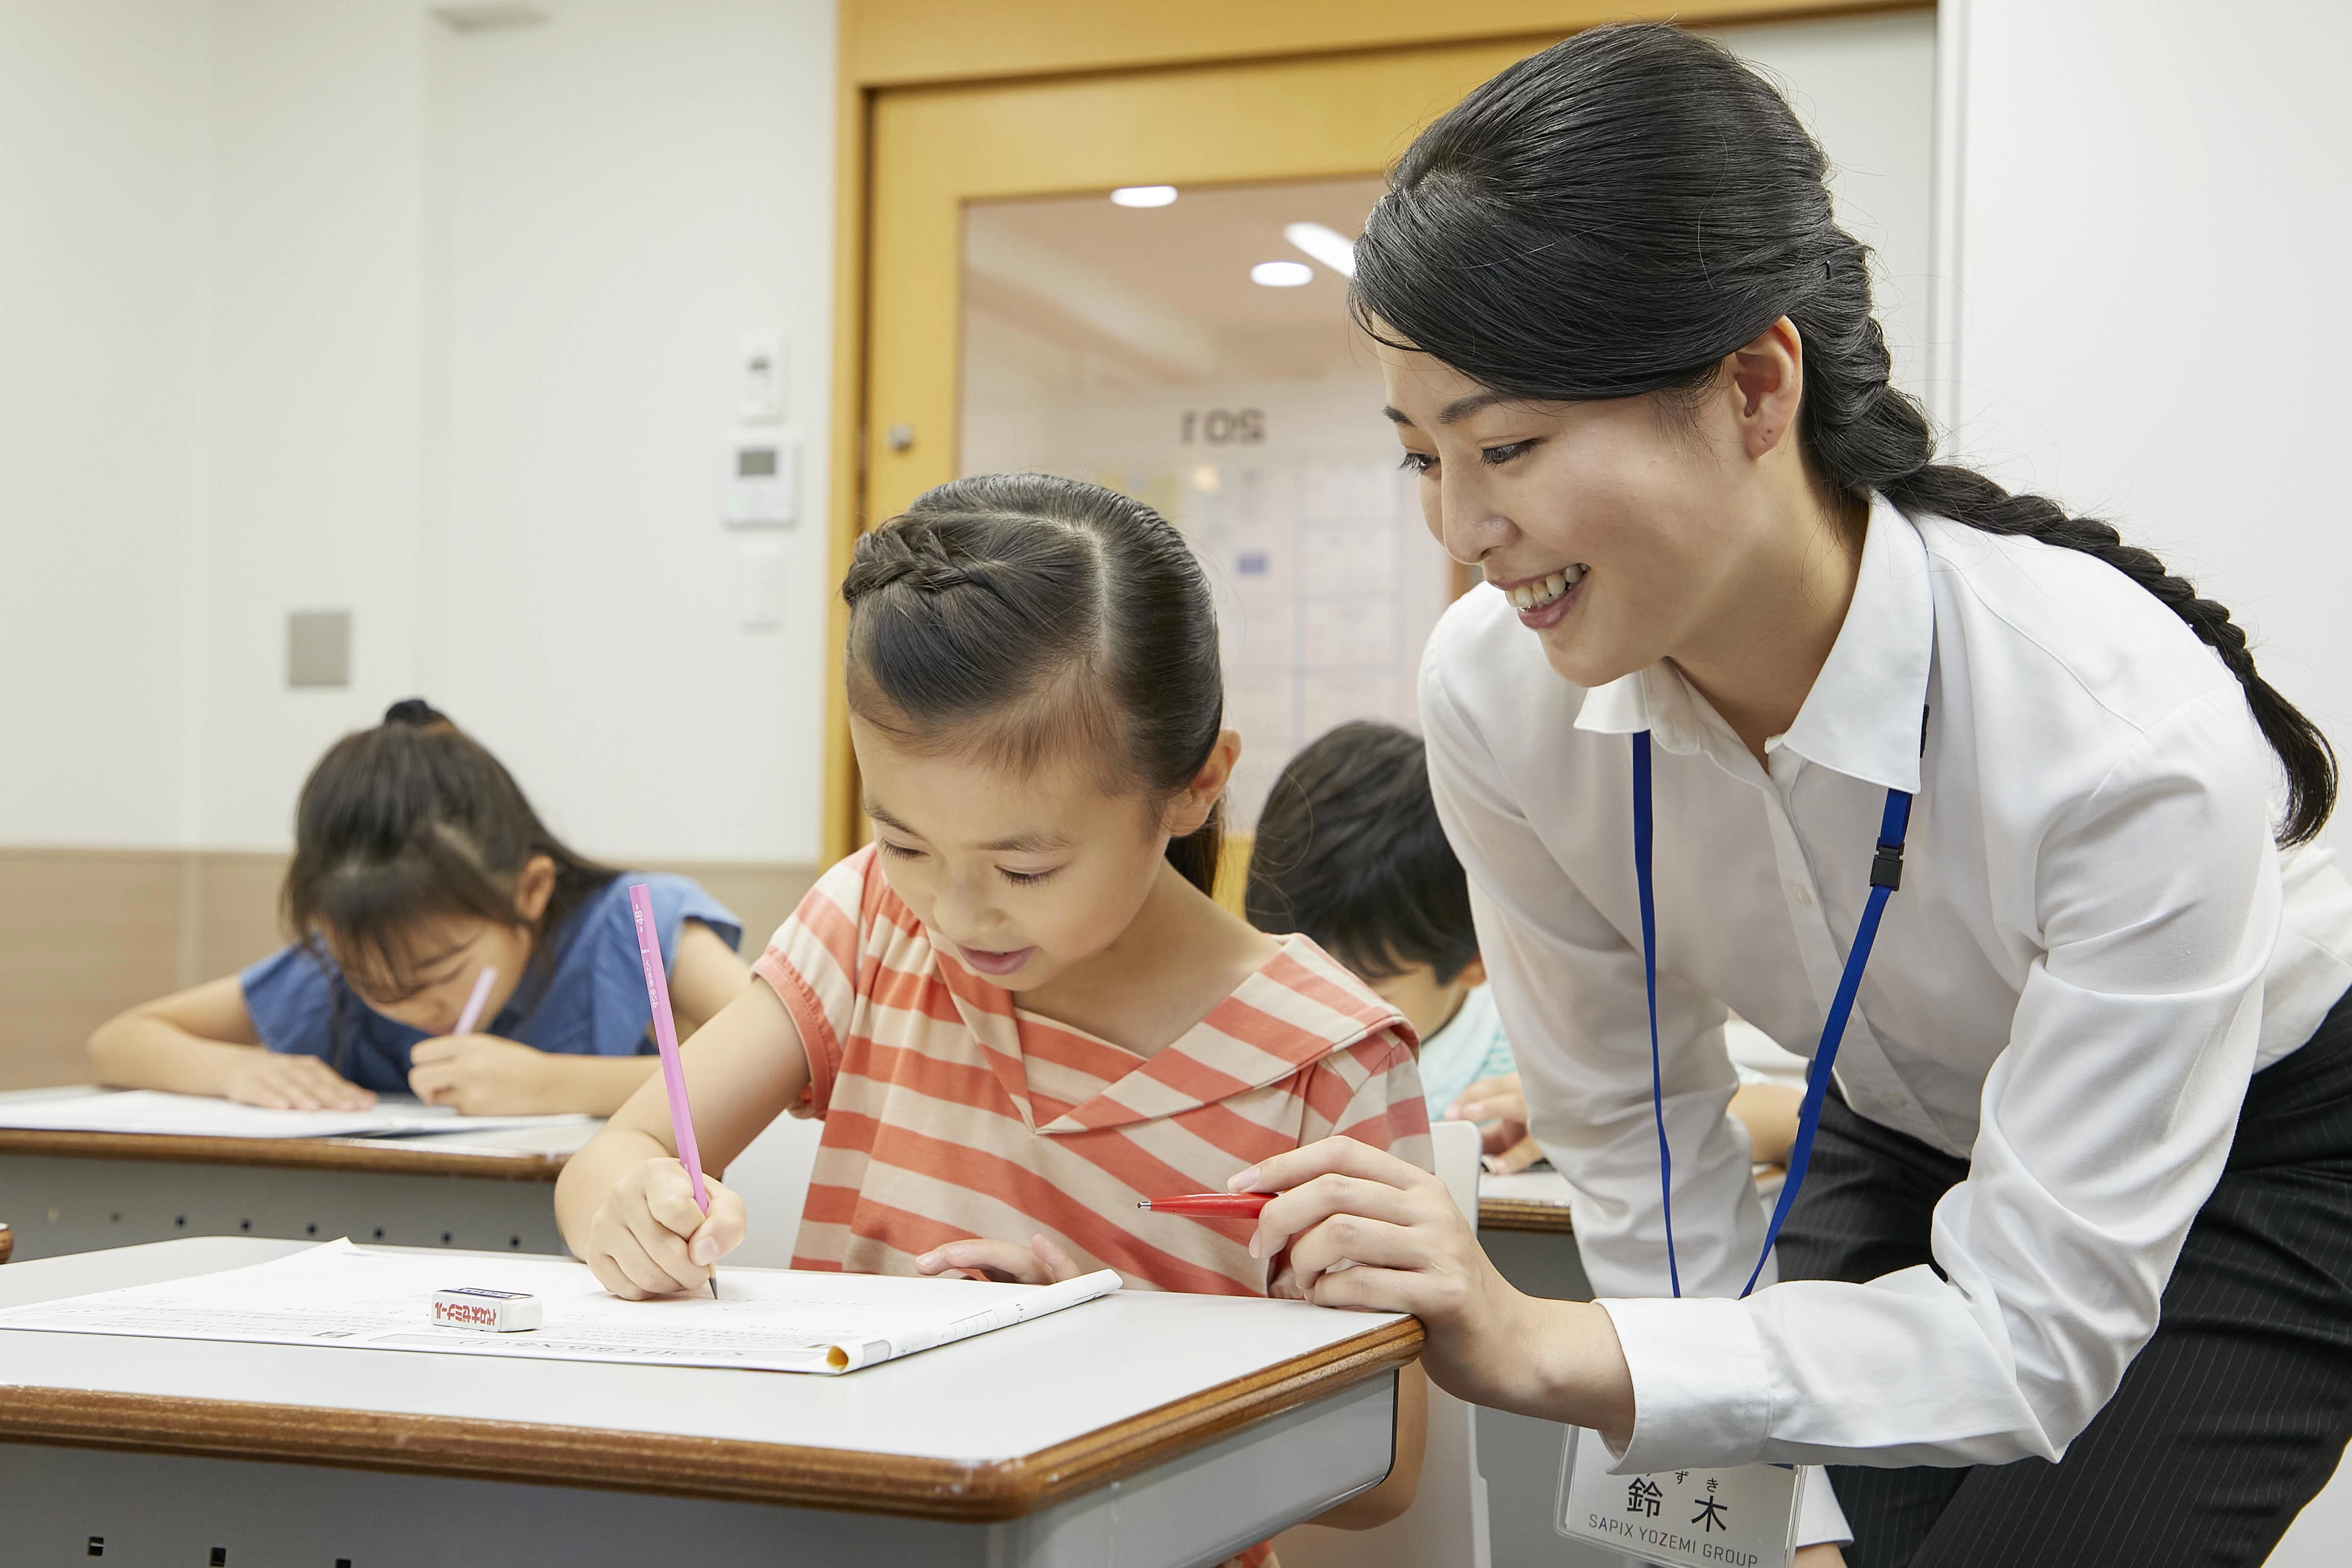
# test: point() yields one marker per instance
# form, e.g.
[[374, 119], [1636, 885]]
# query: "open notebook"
[[764, 1320], [202, 1116]]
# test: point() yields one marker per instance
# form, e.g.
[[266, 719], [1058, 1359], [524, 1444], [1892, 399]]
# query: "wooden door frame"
[[897, 45]]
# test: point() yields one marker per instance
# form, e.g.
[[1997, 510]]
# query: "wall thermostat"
[[761, 486]]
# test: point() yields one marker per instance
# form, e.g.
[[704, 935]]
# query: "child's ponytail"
[[1023, 614]]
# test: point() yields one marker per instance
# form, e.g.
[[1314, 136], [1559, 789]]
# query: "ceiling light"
[[1282, 274], [1143, 195], [1328, 246]]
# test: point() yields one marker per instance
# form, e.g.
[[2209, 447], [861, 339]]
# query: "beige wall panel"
[[235, 900], [83, 934]]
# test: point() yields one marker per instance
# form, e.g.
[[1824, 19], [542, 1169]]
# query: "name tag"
[[1739, 1518]]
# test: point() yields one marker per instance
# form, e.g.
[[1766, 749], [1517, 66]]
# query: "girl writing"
[[418, 866], [1019, 1010]]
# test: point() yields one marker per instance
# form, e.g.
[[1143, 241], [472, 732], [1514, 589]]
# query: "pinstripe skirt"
[[2231, 1419]]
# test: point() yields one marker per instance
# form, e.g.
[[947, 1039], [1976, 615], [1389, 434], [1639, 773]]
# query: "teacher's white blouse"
[[2094, 944]]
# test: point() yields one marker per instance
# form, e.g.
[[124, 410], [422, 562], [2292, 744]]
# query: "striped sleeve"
[[812, 963], [1370, 1092]]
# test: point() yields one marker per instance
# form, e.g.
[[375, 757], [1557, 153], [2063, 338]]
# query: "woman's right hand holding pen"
[[1410, 1250], [650, 1239]]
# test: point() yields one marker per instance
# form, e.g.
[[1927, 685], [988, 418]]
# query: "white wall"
[[331, 305], [104, 222], [634, 185], [2154, 252]]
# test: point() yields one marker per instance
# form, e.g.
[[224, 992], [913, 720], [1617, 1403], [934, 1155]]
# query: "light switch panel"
[[319, 647]]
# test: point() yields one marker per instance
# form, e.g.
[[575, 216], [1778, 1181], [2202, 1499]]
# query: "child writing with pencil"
[[1019, 1011], [1349, 851], [445, 942]]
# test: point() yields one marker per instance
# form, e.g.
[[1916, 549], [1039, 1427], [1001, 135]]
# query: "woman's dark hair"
[[410, 821], [1613, 216], [1027, 616], [1349, 851]]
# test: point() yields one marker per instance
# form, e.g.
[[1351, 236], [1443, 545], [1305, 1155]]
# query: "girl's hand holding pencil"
[[652, 1239]]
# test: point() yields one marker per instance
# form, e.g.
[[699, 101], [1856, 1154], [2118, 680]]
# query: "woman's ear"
[[1196, 800], [1764, 381], [535, 885]]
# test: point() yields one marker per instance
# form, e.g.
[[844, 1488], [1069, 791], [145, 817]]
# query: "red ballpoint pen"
[[1211, 1205]]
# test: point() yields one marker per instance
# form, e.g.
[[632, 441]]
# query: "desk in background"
[[1150, 1430], [80, 1192]]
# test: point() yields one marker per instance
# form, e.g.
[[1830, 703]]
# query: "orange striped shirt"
[[950, 1113]]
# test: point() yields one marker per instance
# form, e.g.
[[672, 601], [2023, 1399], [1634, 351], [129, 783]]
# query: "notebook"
[[763, 1320]]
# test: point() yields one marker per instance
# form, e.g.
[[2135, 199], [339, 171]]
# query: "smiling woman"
[[1776, 715]]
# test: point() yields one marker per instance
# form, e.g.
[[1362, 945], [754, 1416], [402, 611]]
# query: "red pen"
[[1211, 1205]]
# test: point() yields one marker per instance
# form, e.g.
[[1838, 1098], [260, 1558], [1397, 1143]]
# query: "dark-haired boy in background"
[[1350, 851]]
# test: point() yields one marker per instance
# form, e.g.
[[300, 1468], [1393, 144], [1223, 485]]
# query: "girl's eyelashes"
[[1026, 879], [1418, 462], [899, 851]]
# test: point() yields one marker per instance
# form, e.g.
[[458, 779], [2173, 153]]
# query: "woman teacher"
[[2071, 1277]]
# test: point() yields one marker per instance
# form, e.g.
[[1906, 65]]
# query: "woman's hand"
[[286, 1081], [482, 1075], [1039, 1263], [649, 1239], [1362, 1229], [1499, 1101]]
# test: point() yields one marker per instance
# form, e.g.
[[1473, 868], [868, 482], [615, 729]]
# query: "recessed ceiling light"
[[1282, 274], [1144, 196], [1328, 246]]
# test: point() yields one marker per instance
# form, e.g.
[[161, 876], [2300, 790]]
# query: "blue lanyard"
[[1885, 875]]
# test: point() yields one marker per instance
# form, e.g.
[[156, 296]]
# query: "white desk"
[[1147, 1430], [77, 1191]]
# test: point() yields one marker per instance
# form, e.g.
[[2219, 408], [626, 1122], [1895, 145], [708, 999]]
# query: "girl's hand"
[[285, 1082], [1039, 1263], [648, 1239], [1499, 1101], [481, 1075], [1364, 1229]]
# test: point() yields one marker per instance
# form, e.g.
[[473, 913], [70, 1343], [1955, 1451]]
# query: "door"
[[1106, 276]]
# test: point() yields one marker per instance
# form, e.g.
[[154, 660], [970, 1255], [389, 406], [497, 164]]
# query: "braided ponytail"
[[1662, 201], [1027, 614]]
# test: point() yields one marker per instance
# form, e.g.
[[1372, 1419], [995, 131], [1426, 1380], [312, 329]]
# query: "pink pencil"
[[681, 1119], [473, 1012]]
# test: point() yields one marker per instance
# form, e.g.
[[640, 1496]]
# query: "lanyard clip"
[[1886, 867]]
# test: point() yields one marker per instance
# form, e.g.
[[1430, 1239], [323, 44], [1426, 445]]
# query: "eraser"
[[486, 1311]]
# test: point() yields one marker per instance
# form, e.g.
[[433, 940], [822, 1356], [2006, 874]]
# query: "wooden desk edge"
[[1524, 1214], [727, 1470], [389, 1157], [8, 1243]]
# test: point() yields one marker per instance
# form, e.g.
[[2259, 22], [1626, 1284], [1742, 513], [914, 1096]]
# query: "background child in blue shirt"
[[1349, 851], [418, 863]]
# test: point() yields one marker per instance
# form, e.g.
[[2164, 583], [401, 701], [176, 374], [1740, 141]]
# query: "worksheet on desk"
[[762, 1321], [202, 1116]]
